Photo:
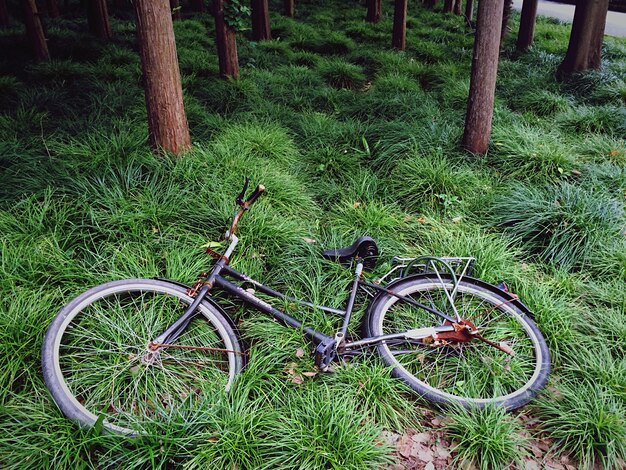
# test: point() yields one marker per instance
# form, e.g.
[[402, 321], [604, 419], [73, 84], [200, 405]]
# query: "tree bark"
[[226, 44], [197, 5], [469, 10], [175, 9], [585, 43], [34, 31], [374, 11], [483, 78], [4, 13], [448, 5], [457, 7], [98, 19], [167, 121], [260, 20], [506, 17], [398, 39], [53, 8], [289, 8], [527, 25]]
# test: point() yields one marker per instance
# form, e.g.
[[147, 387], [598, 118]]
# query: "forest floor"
[[350, 138]]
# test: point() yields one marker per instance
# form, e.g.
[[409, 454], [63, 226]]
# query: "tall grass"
[[350, 138]]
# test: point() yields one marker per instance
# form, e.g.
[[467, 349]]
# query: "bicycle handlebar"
[[244, 205]]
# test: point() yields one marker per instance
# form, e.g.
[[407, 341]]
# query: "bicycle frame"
[[327, 346]]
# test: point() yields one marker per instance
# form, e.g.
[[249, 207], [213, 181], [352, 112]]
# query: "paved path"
[[615, 21]]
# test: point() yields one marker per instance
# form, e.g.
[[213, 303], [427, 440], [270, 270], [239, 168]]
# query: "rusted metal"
[[464, 332], [156, 346], [193, 290]]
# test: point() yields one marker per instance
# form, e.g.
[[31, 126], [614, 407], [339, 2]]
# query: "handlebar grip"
[[255, 195]]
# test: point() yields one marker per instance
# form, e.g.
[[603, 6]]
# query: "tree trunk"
[[398, 39], [506, 17], [448, 5], [374, 11], [483, 78], [289, 8], [4, 13], [34, 31], [226, 44], [585, 43], [430, 3], [53, 8], [260, 20], [175, 9], [527, 25], [98, 19], [469, 10], [197, 5], [457, 7], [167, 121]]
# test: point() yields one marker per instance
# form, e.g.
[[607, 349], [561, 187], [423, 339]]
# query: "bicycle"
[[129, 352]]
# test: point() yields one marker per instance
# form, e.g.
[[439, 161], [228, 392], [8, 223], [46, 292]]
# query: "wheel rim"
[[102, 365], [473, 372]]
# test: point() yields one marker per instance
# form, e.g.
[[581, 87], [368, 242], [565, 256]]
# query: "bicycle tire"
[[95, 363], [470, 374]]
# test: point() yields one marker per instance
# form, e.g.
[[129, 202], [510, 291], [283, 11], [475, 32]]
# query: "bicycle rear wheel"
[[508, 369], [99, 368]]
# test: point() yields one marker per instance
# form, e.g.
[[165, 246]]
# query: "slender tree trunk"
[[197, 5], [175, 8], [289, 8], [585, 43], [483, 78], [448, 5], [98, 18], [4, 13], [506, 17], [374, 11], [457, 7], [469, 10], [260, 20], [167, 121], [398, 39], [527, 25], [226, 44], [53, 8], [34, 31]]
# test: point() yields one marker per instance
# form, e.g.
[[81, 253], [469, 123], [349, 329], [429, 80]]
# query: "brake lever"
[[240, 199]]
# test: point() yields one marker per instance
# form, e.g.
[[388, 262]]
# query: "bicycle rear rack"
[[402, 267]]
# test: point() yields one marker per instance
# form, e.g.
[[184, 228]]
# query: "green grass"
[[350, 138], [489, 438]]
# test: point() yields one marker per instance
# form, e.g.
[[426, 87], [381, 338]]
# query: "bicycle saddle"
[[364, 248]]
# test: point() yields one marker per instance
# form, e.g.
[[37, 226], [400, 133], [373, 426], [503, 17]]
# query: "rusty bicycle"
[[130, 352]]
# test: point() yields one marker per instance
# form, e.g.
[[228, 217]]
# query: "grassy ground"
[[350, 138]]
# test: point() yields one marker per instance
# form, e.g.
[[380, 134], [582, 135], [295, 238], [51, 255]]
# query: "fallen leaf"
[[300, 353], [309, 374], [422, 437], [614, 153], [309, 240], [425, 454], [429, 466], [356, 205], [297, 379], [576, 172], [421, 220], [457, 219], [531, 465]]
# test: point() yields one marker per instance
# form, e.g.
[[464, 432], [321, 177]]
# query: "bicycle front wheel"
[[507, 367], [99, 367]]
